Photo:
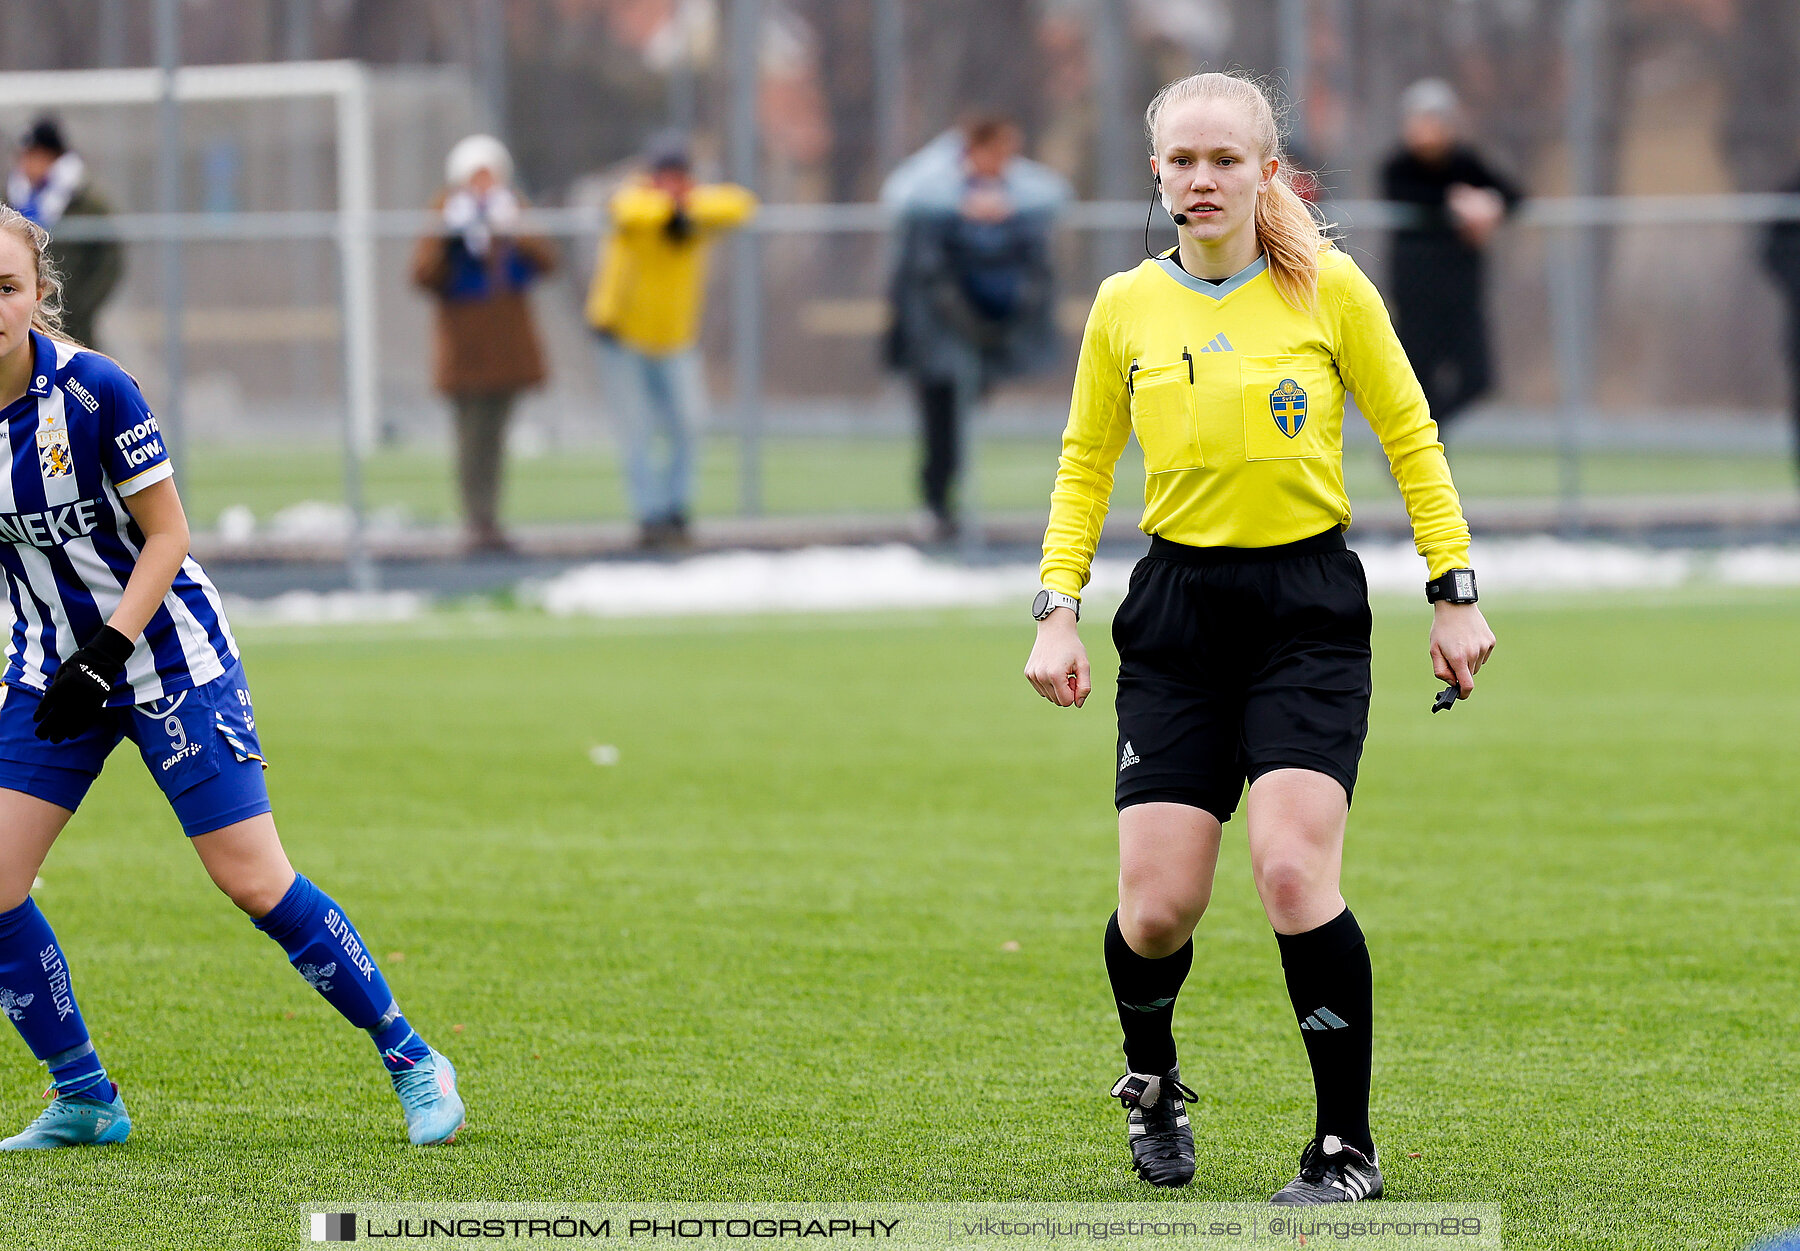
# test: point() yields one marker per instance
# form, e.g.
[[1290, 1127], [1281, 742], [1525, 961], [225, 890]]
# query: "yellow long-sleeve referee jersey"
[[648, 286], [1237, 400]]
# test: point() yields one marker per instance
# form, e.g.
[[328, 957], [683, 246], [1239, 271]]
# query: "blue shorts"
[[200, 745]]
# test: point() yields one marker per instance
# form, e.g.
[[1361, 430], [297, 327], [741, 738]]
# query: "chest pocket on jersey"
[[1165, 416], [1280, 394]]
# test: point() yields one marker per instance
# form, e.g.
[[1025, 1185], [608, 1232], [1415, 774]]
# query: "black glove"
[[680, 227], [78, 691]]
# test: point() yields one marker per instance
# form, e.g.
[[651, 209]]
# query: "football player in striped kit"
[[118, 633]]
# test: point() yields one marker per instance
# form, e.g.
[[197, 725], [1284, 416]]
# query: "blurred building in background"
[[1679, 330]]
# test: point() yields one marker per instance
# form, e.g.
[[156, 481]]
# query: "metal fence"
[[1638, 347]]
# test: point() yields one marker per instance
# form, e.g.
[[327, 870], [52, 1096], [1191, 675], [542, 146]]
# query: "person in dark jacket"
[[1781, 254], [48, 185], [972, 293], [1456, 200], [479, 266]]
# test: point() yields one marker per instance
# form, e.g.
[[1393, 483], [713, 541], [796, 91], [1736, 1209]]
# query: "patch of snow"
[[835, 579], [317, 520], [327, 608]]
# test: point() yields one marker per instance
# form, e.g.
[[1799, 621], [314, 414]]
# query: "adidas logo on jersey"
[[1127, 757], [1324, 1018], [1219, 344]]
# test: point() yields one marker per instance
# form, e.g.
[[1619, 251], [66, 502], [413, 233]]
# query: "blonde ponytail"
[[1292, 238], [1288, 231]]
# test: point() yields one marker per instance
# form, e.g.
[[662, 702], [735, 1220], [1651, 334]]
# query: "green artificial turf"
[[767, 955], [874, 474]]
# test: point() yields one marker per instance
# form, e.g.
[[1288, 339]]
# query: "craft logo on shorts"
[[53, 450], [187, 749], [334, 1227], [1287, 405]]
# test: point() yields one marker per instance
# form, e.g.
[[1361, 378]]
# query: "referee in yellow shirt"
[[1244, 641]]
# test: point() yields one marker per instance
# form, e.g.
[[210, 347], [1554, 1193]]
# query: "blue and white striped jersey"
[[77, 443]]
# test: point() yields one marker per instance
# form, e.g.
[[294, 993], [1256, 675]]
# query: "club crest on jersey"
[[1287, 405], [54, 458]]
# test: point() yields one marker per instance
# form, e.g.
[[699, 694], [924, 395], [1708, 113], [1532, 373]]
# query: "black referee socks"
[[1332, 989], [1145, 991], [1329, 981]]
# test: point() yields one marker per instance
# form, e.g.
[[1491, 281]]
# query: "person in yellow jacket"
[[645, 305], [1244, 639]]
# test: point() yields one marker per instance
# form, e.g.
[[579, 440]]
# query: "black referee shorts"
[[1235, 661]]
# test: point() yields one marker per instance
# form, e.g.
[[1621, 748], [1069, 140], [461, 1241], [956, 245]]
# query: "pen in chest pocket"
[[1131, 373]]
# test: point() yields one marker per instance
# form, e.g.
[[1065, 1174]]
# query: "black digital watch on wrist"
[[1457, 586]]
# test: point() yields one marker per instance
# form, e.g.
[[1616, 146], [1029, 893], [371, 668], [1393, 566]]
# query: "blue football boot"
[[74, 1121], [427, 1090]]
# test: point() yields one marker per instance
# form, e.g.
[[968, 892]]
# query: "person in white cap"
[[479, 267]]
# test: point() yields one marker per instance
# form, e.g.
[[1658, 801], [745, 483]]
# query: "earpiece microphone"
[[1180, 219]]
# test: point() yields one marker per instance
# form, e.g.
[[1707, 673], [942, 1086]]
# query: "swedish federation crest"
[[1287, 405]]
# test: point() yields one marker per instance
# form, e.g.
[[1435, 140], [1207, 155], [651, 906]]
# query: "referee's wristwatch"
[[1456, 586], [1049, 601]]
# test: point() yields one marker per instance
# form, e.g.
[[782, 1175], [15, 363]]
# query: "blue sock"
[[36, 995], [328, 952], [400, 1048]]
